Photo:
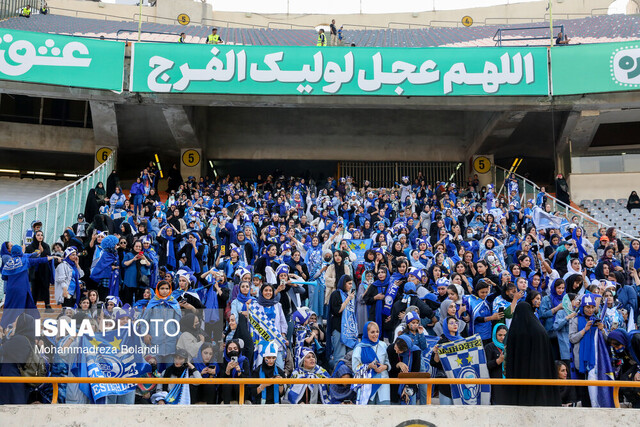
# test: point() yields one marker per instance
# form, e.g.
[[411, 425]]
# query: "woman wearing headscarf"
[[191, 335], [582, 330], [480, 312], [91, 207], [112, 182], [163, 309], [266, 393], [562, 190], [335, 271], [101, 194], [204, 362], [570, 303], [342, 393], [404, 357], [67, 283], [450, 333], [14, 351], [371, 356], [449, 308], [235, 365], [528, 355], [17, 289], [180, 368], [625, 348], [309, 393], [567, 393], [549, 306], [633, 202], [342, 325], [374, 297], [494, 353], [41, 276], [269, 308]]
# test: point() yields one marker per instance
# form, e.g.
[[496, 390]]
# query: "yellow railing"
[[241, 382]]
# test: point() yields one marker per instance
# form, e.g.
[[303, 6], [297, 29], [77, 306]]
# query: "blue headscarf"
[[632, 252], [407, 356], [195, 264], [368, 354], [499, 345], [241, 359], [581, 250], [445, 330], [108, 258], [244, 298], [624, 338], [555, 298], [198, 361]]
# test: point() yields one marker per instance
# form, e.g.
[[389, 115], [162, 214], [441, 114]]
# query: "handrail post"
[[616, 397], [429, 392], [54, 397], [241, 396]]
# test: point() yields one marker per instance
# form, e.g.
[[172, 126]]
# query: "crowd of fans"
[[442, 261]]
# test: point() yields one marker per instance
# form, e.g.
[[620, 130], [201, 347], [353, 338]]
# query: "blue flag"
[[109, 355], [465, 358], [359, 247], [604, 371], [426, 354]]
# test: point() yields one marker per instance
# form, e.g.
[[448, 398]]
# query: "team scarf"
[[474, 306], [296, 392], [169, 302], [349, 326], [263, 328], [392, 291], [195, 264], [179, 394], [171, 250], [211, 302], [367, 355]]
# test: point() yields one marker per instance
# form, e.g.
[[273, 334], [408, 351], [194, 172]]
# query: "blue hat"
[[411, 316], [443, 281], [409, 287], [282, 268]]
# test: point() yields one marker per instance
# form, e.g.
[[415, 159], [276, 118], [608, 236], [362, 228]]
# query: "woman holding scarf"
[[269, 308], [193, 252], [239, 305], [169, 244], [371, 356], [342, 324], [215, 299], [41, 276], [309, 393], [449, 334], [582, 330]]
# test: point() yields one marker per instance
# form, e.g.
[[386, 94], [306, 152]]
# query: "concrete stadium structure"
[[230, 127]]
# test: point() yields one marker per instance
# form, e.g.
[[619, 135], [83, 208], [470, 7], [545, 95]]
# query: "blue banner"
[[604, 371], [426, 354], [465, 358], [109, 355], [359, 247]]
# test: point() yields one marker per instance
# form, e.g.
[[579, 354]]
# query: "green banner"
[[61, 60], [305, 70], [591, 68]]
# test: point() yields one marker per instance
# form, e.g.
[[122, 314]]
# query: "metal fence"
[[56, 211], [385, 174], [12, 8]]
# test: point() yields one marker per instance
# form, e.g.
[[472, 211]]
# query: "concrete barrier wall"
[[589, 186], [316, 415]]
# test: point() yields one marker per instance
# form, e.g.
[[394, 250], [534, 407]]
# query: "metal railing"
[[56, 211], [386, 174], [241, 382], [530, 191], [499, 39], [12, 8]]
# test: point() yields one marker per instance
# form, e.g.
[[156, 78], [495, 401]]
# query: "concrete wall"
[[46, 138], [167, 11], [307, 415], [333, 134], [589, 186]]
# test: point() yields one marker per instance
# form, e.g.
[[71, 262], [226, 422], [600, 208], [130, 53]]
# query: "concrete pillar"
[[191, 161], [105, 129]]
